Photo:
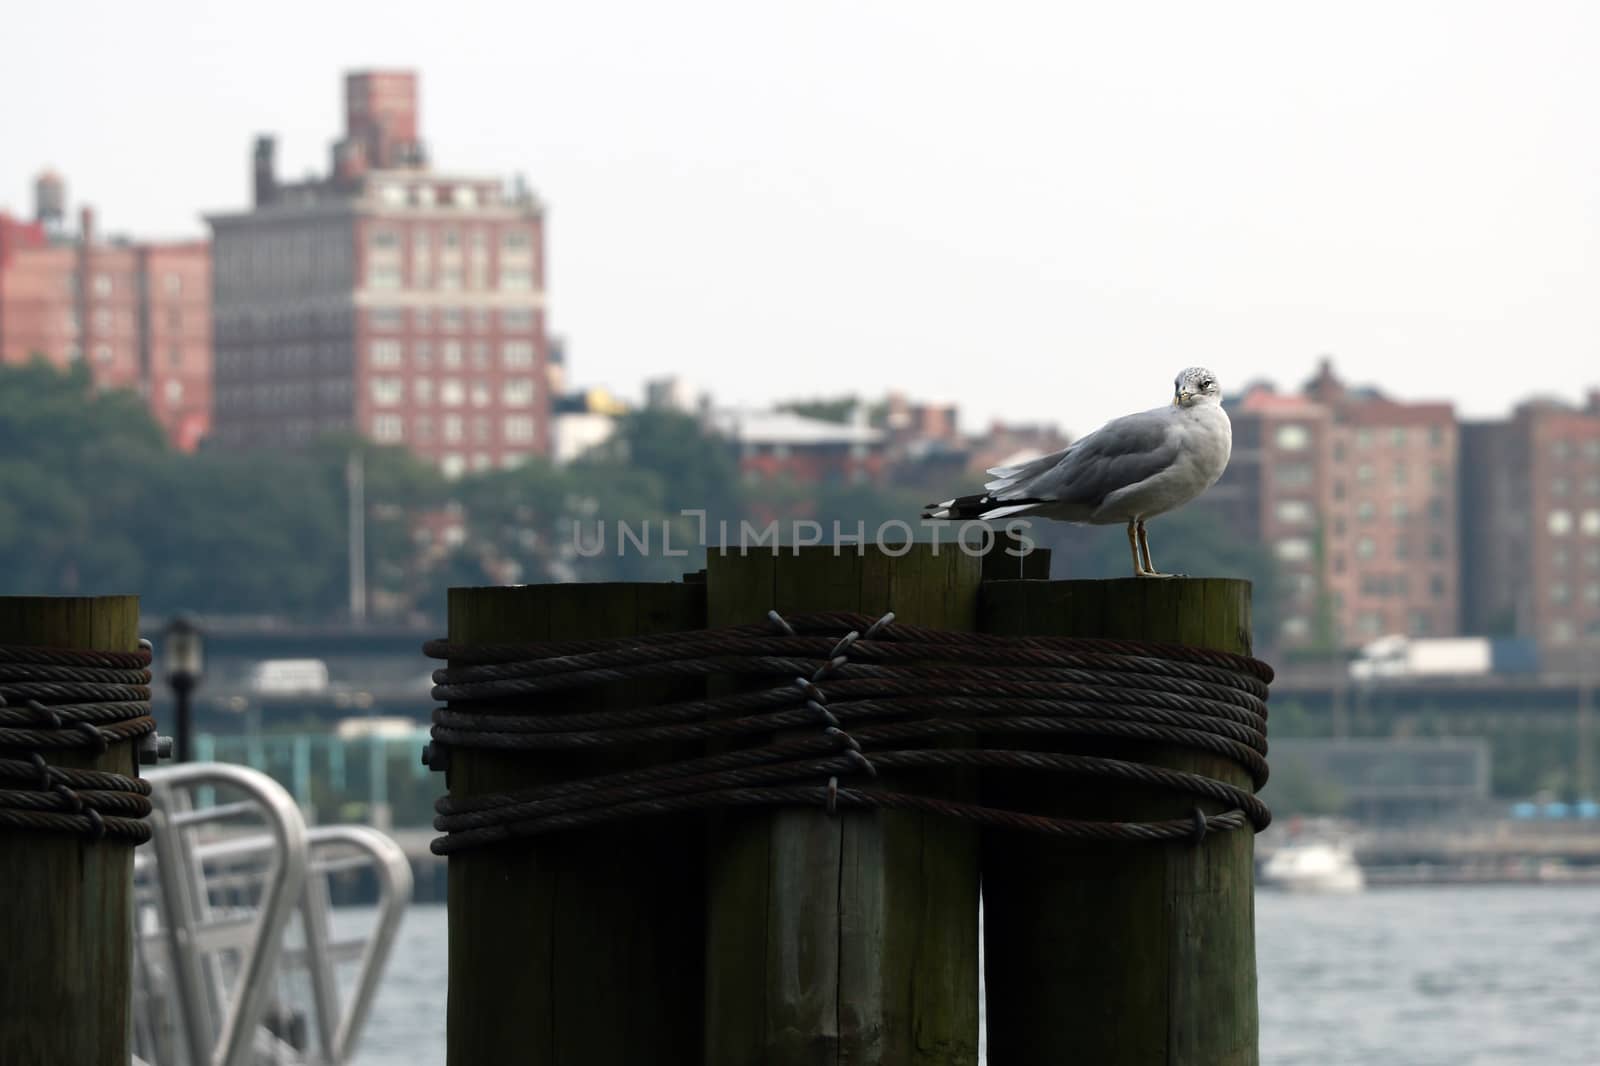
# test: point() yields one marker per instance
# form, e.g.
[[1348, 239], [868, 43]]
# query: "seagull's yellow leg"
[[1133, 546], [1143, 542]]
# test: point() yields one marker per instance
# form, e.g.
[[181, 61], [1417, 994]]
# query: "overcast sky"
[[1036, 211]]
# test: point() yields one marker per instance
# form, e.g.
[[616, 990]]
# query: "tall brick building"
[[138, 313], [1531, 529], [389, 299], [1275, 493], [1354, 494]]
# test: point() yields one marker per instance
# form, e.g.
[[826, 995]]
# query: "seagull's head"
[[1195, 385]]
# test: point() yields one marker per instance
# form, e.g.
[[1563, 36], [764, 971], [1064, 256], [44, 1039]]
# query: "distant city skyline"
[[1041, 214]]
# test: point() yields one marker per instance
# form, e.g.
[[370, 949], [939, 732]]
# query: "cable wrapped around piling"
[[833, 696], [54, 699]]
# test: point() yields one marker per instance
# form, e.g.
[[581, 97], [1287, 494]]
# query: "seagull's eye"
[[1207, 383]]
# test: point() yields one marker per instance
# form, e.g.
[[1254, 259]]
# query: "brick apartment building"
[[389, 299], [1355, 495], [1275, 492], [137, 313], [1531, 535]]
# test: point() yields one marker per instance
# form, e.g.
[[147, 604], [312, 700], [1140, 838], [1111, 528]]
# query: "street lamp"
[[182, 650]]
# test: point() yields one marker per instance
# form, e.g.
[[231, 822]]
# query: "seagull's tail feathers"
[[1015, 477], [982, 507]]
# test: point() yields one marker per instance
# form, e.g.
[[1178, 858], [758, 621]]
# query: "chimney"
[[49, 200], [266, 180], [86, 225]]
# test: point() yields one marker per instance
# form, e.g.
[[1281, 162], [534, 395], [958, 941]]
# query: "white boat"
[[1313, 866]]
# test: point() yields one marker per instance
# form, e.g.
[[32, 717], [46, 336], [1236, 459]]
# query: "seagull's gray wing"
[[1120, 453]]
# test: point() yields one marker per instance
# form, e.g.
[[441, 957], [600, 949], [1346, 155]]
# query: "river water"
[[1458, 976]]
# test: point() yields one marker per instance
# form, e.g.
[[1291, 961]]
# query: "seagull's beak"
[[1181, 398]]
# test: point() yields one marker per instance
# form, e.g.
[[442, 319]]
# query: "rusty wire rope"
[[60, 699], [846, 696]]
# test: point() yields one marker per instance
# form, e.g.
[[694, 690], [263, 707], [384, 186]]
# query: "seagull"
[[1129, 470]]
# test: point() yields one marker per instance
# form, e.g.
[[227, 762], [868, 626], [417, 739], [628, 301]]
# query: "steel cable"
[[62, 699], [868, 687]]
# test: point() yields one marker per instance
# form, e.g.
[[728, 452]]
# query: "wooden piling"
[[849, 938], [66, 981], [582, 947], [1127, 953]]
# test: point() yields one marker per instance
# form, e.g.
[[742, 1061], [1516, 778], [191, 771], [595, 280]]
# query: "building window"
[[1591, 485], [451, 351], [518, 355], [477, 239], [1591, 558], [1436, 548], [422, 355], [1366, 510], [1559, 486], [1436, 587], [102, 284], [1397, 436], [1436, 508], [519, 429], [1363, 437], [481, 461], [452, 238], [1402, 548], [422, 391], [1290, 512], [383, 276], [1365, 474], [1560, 451], [480, 394], [1559, 523], [1292, 475], [1369, 623], [386, 318], [1296, 628], [450, 279], [452, 393], [464, 196], [1421, 624], [392, 195], [518, 393], [516, 238], [450, 320], [1293, 549], [1560, 592], [453, 465], [1338, 490], [481, 320], [422, 429], [1400, 510], [480, 355], [452, 428], [1591, 593], [423, 194], [385, 238], [387, 392], [387, 353], [1366, 548], [174, 392], [516, 279], [516, 319], [102, 353], [173, 283], [1401, 474], [480, 429], [1590, 523], [1292, 437], [388, 429], [1561, 631], [1436, 436]]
